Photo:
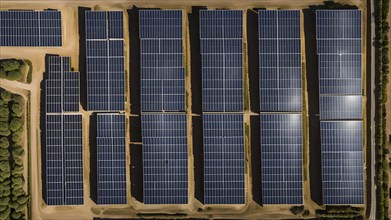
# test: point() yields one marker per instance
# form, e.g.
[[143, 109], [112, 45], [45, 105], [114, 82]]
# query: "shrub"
[[6, 96], [9, 65], [15, 124], [17, 109], [16, 215], [3, 73], [14, 75], [297, 210], [4, 143]]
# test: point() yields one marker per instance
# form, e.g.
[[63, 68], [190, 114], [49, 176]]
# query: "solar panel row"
[[105, 61], [339, 54], [30, 29], [64, 159], [221, 33], [164, 130], [111, 158], [62, 86], [162, 68], [280, 91]]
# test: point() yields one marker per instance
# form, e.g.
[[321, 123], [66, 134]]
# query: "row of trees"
[[13, 199], [382, 166], [11, 69], [339, 212]]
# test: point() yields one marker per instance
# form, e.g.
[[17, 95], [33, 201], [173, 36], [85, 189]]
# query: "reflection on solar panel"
[[111, 158], [30, 29], [105, 61], [62, 86], [223, 159], [339, 53], [342, 162], [165, 156], [221, 33], [64, 159], [338, 35], [282, 155], [279, 60], [162, 70], [341, 107]]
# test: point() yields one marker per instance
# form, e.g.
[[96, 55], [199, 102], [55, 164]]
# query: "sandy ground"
[[251, 210]]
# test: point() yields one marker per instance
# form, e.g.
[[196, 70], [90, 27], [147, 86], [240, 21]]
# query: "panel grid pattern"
[[224, 181], [30, 29], [279, 60], [111, 158], [162, 68], [62, 86], [165, 158], [342, 162], [221, 33], [64, 159], [105, 61], [341, 107]]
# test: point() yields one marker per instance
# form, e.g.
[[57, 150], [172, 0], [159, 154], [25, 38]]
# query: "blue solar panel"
[[165, 158], [64, 159], [111, 150], [341, 107], [30, 29], [62, 86], [162, 65], [342, 162], [221, 33], [105, 61], [224, 181], [282, 158], [279, 60]]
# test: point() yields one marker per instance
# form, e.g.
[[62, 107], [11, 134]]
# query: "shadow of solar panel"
[[44, 29], [221, 33], [342, 162], [165, 158], [162, 65], [279, 60], [105, 61], [282, 155], [111, 159], [64, 160], [223, 159]]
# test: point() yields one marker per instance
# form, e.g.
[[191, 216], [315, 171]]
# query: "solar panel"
[[221, 33], [105, 61], [62, 86], [342, 162], [111, 158], [64, 159], [339, 42], [162, 66], [165, 158], [223, 159], [341, 107], [30, 29], [282, 155], [279, 60]]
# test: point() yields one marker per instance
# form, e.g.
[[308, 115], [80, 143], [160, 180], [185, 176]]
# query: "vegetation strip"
[[13, 199], [382, 166]]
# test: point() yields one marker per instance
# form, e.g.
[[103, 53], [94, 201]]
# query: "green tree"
[[6, 96], [23, 199], [18, 191], [17, 99], [3, 73], [9, 65], [4, 126], [5, 214], [4, 112], [16, 215], [4, 153], [17, 109], [15, 124], [4, 143], [14, 75], [4, 200]]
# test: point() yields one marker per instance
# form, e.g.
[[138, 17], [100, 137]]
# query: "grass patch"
[[28, 114], [29, 77]]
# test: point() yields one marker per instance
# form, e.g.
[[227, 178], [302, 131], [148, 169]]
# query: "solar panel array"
[[64, 134], [162, 68], [282, 158], [62, 86], [105, 61], [30, 29], [224, 181], [279, 60], [221, 33], [280, 90], [340, 83], [111, 158], [165, 154], [164, 130], [64, 159], [342, 162]]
